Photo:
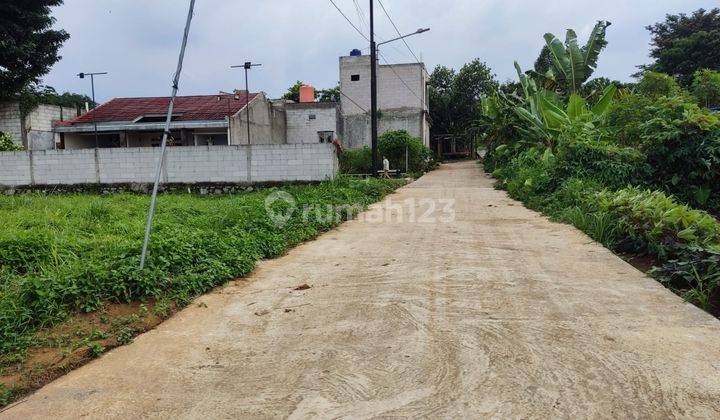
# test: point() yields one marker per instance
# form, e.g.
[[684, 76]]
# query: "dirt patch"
[[643, 263], [81, 338]]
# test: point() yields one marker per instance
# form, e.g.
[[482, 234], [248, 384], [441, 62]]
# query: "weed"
[[96, 350]]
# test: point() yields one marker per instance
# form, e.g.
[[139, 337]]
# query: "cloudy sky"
[[137, 42]]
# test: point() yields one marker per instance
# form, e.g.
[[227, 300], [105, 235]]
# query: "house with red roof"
[[196, 121]]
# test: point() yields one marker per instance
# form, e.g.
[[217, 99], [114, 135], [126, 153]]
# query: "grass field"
[[70, 254]]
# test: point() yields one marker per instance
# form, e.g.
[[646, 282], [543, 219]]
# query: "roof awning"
[[130, 126]]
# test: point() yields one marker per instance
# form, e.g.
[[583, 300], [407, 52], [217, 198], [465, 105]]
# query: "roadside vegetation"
[[399, 147], [69, 278], [635, 166]]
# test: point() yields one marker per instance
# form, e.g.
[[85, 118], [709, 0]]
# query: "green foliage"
[[29, 45], [358, 161], [683, 44], [706, 87], [654, 85], [393, 145], [293, 92], [329, 95], [622, 166], [7, 144], [33, 95], [572, 65], [62, 254], [454, 97], [682, 145], [96, 350]]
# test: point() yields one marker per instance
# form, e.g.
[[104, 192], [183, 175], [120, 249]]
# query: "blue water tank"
[[355, 53]]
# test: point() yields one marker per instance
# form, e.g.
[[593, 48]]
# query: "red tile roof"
[[187, 108]]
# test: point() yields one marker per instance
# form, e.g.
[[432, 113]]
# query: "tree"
[[440, 99], [28, 44], [544, 61], [654, 85], [683, 44], [455, 97], [706, 87], [293, 92], [330, 95], [572, 65]]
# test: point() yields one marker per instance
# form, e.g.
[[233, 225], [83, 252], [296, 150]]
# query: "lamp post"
[[247, 66], [373, 85], [92, 86]]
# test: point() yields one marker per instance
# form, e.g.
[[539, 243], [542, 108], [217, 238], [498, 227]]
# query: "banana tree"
[[547, 117], [573, 65]]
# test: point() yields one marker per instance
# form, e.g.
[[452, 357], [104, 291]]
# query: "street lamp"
[[92, 84], [247, 66], [373, 85]]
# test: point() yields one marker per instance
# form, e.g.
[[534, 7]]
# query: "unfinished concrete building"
[[402, 100]]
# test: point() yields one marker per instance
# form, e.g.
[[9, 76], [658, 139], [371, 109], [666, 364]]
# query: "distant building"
[[402, 100], [196, 121], [34, 130], [203, 120], [310, 121]]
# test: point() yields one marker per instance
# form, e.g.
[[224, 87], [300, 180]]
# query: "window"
[[326, 136], [312, 117], [355, 78]]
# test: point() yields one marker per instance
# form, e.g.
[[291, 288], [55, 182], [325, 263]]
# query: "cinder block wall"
[[302, 129], [202, 164], [10, 121]]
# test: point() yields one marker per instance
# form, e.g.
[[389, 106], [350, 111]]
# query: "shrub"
[[394, 145], [682, 145], [358, 161], [7, 144], [655, 84]]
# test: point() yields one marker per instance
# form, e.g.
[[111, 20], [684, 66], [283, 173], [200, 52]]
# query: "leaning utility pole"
[[373, 94], [166, 132]]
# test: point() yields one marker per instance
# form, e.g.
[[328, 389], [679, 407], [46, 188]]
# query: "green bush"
[[396, 145], [7, 144], [655, 84], [358, 161], [682, 145], [393, 145]]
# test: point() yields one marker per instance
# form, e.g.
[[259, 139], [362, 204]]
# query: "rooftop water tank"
[[355, 53]]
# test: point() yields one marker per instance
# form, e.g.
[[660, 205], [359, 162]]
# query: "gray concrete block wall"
[[15, 168], [302, 129], [10, 121], [202, 164]]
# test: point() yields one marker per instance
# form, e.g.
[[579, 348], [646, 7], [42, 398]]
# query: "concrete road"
[[497, 313]]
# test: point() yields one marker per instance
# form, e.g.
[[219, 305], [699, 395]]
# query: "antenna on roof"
[[158, 169]]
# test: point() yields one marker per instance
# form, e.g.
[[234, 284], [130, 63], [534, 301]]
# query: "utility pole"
[[166, 132], [373, 93], [247, 66], [92, 87]]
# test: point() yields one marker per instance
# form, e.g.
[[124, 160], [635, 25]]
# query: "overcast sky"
[[137, 42]]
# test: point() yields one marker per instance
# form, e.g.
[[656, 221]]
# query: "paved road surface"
[[499, 313]]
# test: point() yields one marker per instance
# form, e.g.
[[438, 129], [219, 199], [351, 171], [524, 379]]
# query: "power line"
[[361, 15], [349, 21], [398, 76], [398, 30], [351, 100]]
